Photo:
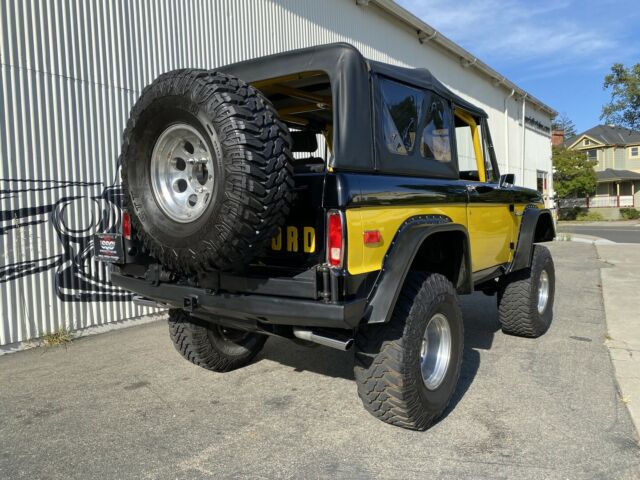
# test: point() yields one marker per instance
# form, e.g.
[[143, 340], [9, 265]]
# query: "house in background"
[[617, 153]]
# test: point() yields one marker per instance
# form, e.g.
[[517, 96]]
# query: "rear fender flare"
[[397, 262]]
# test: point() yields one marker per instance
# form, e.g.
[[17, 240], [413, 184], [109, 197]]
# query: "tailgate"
[[299, 243]]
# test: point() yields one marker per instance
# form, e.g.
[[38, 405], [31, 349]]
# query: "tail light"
[[126, 225], [335, 238]]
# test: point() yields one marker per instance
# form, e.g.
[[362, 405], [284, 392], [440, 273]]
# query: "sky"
[[557, 50]]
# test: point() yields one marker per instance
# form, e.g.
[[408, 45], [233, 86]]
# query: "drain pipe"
[[524, 131], [506, 130], [327, 341]]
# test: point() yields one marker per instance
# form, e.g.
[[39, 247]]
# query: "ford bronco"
[[329, 199]]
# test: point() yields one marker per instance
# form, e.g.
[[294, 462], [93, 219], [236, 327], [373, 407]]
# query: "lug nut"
[[194, 161]]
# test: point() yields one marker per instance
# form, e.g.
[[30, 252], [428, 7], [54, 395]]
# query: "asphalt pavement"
[[618, 232], [125, 405]]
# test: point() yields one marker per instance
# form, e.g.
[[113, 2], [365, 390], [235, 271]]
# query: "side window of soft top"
[[414, 126], [400, 116], [436, 134]]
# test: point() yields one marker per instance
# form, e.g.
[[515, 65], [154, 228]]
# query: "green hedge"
[[630, 213], [580, 214]]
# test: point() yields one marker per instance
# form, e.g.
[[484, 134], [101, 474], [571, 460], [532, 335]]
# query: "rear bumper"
[[265, 309]]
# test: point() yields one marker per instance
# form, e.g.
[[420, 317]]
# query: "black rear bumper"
[[266, 309]]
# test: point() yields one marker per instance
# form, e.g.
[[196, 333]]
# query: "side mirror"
[[507, 180]]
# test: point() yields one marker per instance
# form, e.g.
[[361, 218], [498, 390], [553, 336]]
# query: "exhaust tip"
[[323, 339]]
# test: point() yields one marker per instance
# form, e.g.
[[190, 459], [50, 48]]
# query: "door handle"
[[471, 188]]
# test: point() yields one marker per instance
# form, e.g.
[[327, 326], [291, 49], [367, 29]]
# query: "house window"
[[602, 189], [592, 155], [634, 151], [587, 142], [625, 188], [541, 183]]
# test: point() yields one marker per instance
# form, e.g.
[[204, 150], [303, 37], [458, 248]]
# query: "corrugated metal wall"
[[71, 70]]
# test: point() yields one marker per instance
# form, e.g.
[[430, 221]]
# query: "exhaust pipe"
[[327, 341], [147, 302]]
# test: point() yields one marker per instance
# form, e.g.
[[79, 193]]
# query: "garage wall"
[[70, 72]]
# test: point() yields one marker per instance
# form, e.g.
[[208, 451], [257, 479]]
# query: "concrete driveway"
[[125, 405]]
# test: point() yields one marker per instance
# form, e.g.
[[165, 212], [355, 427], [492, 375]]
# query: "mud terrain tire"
[[523, 309], [392, 380], [212, 347]]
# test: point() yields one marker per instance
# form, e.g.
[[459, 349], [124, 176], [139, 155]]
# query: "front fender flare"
[[400, 256], [527, 237]]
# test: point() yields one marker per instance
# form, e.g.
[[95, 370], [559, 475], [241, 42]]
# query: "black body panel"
[[493, 193], [350, 190]]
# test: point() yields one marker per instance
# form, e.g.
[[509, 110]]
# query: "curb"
[[85, 332], [573, 237]]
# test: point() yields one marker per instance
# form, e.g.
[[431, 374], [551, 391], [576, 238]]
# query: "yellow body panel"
[[491, 227], [387, 219]]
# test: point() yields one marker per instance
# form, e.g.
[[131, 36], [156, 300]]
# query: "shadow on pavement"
[[480, 316]]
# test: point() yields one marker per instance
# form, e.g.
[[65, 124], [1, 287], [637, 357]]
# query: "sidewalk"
[[620, 290], [610, 223]]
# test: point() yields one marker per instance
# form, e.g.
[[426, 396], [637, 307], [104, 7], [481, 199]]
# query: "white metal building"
[[71, 70]]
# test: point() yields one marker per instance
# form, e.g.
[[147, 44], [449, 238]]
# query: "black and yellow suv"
[[329, 199]]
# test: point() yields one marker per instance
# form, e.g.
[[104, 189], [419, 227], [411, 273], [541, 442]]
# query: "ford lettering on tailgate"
[[294, 239]]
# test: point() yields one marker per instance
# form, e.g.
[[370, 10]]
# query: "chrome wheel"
[[182, 173], [435, 353], [543, 292]]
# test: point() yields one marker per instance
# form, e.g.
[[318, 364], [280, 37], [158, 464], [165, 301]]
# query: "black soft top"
[[349, 75], [421, 77]]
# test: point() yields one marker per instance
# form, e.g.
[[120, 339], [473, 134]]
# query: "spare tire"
[[206, 170]]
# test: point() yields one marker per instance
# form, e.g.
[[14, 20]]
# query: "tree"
[[624, 107], [564, 123], [574, 175]]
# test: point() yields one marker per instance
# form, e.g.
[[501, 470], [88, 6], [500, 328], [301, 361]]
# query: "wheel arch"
[[421, 243]]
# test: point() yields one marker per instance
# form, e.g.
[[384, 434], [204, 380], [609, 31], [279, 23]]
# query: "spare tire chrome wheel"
[[182, 173]]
